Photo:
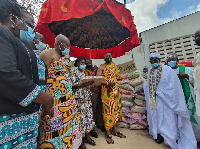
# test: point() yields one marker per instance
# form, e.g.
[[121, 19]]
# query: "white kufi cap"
[[154, 55]]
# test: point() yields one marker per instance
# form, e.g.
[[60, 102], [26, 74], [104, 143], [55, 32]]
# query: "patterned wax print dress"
[[112, 105], [20, 131], [84, 103], [63, 130]]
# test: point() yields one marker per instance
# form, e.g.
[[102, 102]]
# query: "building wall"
[[175, 29], [178, 28]]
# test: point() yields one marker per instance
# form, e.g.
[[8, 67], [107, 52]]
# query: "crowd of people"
[[44, 103]]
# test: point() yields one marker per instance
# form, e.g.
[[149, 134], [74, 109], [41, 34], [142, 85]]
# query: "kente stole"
[[152, 88]]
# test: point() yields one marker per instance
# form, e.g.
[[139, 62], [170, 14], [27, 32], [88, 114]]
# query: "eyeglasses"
[[34, 28]]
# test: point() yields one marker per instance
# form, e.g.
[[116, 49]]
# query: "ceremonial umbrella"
[[94, 27]]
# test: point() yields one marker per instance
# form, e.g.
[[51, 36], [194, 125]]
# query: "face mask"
[[27, 35], [155, 65], [40, 46], [65, 52], [82, 67], [108, 59], [172, 64], [89, 67], [197, 40]]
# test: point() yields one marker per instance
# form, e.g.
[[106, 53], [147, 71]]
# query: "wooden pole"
[[125, 3], [90, 53]]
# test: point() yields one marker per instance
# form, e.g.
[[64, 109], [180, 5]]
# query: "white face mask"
[[40, 46]]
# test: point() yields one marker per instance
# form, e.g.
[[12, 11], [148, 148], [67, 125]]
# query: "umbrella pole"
[[90, 53], [125, 3]]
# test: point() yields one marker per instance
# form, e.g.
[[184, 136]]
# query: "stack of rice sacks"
[[133, 101], [127, 92]]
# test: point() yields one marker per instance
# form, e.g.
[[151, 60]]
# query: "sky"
[[151, 13]]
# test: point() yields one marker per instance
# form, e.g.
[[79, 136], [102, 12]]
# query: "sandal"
[[159, 139], [119, 134], [109, 137], [91, 142]]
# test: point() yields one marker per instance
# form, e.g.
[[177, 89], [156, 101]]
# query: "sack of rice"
[[137, 127], [122, 125], [126, 103], [125, 119], [136, 115], [140, 97], [123, 76], [125, 110], [138, 109], [133, 75], [138, 88], [126, 87], [127, 97], [122, 81], [137, 81], [126, 92], [138, 121], [139, 102]]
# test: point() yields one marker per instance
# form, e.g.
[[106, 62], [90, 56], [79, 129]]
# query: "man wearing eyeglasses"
[[167, 113]]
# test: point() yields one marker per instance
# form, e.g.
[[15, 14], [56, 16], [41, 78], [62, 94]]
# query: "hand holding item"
[[48, 111], [110, 84], [183, 75], [88, 83]]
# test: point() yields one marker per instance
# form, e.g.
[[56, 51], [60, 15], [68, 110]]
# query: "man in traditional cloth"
[[63, 130], [196, 64], [96, 100], [167, 112], [185, 75], [112, 106]]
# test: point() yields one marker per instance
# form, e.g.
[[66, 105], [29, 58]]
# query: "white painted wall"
[[178, 28]]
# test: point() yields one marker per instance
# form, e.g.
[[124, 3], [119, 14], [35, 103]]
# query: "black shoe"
[[102, 128], [82, 146], [93, 133], [159, 139]]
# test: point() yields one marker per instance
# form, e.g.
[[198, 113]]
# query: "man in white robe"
[[167, 113], [196, 64]]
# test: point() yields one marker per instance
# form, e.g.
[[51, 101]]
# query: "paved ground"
[[136, 139]]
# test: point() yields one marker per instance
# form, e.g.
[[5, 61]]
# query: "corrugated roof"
[[169, 21]]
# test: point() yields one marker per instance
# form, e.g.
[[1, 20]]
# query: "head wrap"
[[154, 55]]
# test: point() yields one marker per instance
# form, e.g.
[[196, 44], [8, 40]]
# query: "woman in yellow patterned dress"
[[63, 130]]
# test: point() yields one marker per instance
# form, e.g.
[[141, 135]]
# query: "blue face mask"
[[172, 64], [27, 35], [155, 65], [40, 46], [65, 52], [82, 67]]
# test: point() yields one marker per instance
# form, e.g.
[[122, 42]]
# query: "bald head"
[[61, 38], [61, 42]]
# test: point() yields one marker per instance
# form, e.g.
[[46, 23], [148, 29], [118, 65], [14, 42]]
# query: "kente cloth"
[[196, 64], [171, 118], [87, 72], [21, 130], [83, 98], [153, 83], [112, 105], [63, 130]]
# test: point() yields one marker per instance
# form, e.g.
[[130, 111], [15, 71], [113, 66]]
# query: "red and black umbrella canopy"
[[96, 26]]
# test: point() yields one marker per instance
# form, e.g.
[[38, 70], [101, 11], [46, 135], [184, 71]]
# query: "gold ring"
[[47, 117]]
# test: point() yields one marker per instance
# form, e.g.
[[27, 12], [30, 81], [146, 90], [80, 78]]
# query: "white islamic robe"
[[196, 64], [171, 117]]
